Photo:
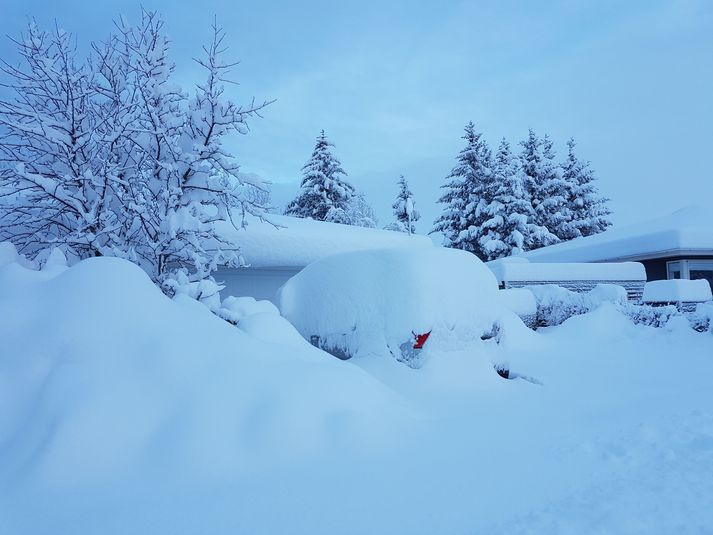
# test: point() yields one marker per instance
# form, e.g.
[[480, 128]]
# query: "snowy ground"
[[124, 412]]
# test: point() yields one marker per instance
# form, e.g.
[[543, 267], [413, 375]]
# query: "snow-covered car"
[[402, 302]]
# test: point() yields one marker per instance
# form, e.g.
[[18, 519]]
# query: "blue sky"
[[393, 83]]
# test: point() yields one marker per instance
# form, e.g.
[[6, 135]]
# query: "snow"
[[686, 231], [677, 291], [520, 300], [296, 242], [122, 411], [372, 302], [561, 271]]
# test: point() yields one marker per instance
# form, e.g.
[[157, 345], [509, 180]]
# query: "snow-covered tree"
[[588, 207], [507, 229], [538, 174], [323, 187], [54, 186], [358, 213], [554, 211], [404, 209], [468, 193], [107, 157]]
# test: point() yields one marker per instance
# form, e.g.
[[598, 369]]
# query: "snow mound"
[[677, 291], [373, 302], [101, 374], [520, 300]]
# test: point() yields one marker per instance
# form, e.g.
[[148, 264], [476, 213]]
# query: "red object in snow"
[[421, 339]]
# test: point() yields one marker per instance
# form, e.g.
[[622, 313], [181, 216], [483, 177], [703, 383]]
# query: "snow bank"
[[520, 300], [543, 272], [373, 302], [101, 374], [296, 242], [686, 231], [677, 291], [122, 411]]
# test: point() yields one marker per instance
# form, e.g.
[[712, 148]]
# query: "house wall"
[[656, 268], [260, 283]]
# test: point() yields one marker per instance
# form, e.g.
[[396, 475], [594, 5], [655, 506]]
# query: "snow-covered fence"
[[576, 277]]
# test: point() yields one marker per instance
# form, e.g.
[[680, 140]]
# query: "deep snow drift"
[[375, 302], [122, 411]]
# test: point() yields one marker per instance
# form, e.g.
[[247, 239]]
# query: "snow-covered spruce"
[[325, 194], [404, 209], [538, 170], [506, 231], [468, 193], [105, 156], [587, 207]]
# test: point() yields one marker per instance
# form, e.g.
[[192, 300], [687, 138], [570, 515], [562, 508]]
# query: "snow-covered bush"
[[234, 309], [205, 291], [556, 304], [702, 318], [106, 156], [375, 302], [651, 316]]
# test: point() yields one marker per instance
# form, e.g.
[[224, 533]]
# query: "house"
[[517, 272], [677, 246], [273, 253]]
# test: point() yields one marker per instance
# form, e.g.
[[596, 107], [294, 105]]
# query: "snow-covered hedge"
[[556, 304]]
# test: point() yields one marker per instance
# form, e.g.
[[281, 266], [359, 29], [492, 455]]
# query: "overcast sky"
[[393, 83]]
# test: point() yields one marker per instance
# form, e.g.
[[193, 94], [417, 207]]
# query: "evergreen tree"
[[554, 210], [507, 229], [404, 209], [536, 170], [589, 209], [323, 187], [468, 193], [358, 213]]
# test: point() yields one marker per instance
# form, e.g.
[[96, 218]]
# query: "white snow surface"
[[122, 411], [371, 302], [677, 290], [520, 300], [688, 230], [568, 271], [296, 242]]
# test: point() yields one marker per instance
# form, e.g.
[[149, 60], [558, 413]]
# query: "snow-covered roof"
[[298, 242], [686, 232]]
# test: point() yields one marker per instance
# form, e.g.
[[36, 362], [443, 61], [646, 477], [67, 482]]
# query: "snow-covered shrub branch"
[[107, 156]]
